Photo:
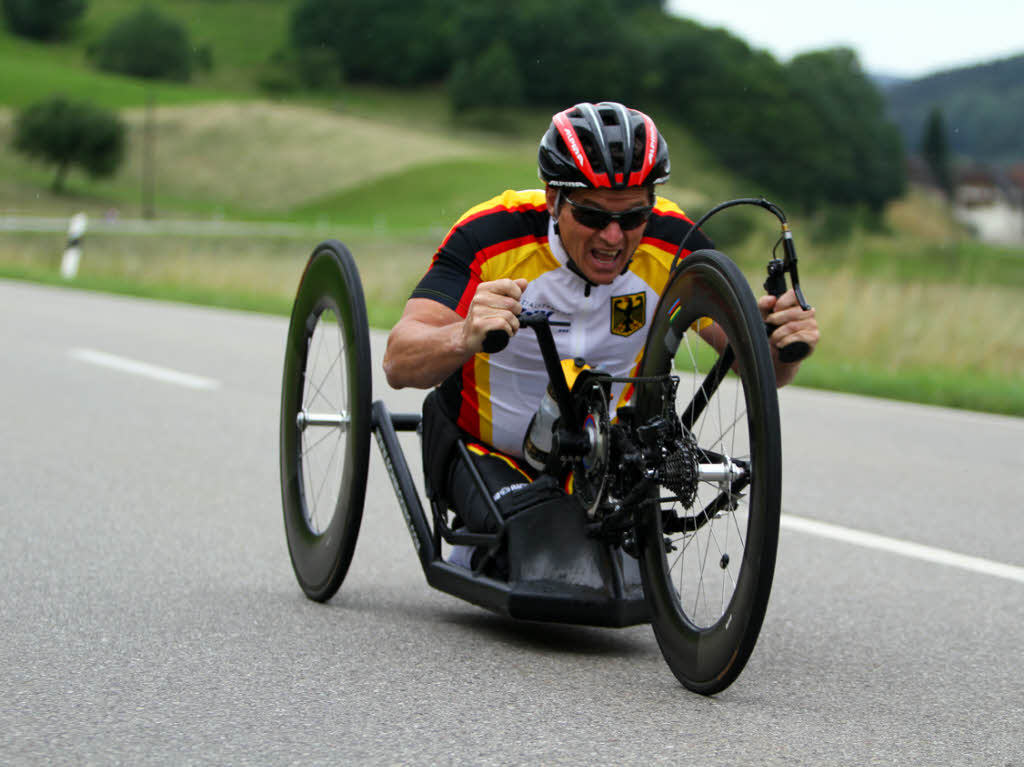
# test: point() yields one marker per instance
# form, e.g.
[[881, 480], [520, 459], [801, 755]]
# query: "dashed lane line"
[[145, 369], [903, 548]]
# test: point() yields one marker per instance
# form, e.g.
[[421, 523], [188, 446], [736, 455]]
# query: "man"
[[596, 239]]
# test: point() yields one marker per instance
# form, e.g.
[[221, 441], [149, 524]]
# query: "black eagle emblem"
[[629, 313]]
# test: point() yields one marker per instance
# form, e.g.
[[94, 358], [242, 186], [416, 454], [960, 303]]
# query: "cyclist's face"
[[601, 254]]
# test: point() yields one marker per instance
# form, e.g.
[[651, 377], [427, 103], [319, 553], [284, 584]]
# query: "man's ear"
[[551, 196]]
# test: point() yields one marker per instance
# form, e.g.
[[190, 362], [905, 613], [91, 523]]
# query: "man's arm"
[[431, 341], [793, 324]]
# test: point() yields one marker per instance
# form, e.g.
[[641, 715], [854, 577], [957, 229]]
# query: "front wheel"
[[325, 420], [708, 557]]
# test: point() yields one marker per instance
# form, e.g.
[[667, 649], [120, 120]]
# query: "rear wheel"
[[325, 420], [708, 558]]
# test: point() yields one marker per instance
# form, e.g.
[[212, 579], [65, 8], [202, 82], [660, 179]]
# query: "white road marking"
[[135, 367], [903, 548]]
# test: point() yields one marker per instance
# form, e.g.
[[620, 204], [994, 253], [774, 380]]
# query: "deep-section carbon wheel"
[[325, 420], [707, 560]]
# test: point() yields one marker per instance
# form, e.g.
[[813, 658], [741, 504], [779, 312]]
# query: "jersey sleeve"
[[451, 276], [669, 225], [482, 233]]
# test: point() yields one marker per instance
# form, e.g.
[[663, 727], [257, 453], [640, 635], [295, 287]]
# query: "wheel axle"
[[337, 420]]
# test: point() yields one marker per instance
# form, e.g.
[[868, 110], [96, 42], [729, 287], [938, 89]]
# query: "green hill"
[[387, 171], [983, 107]]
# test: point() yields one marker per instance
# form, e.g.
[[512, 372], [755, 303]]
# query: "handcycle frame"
[[615, 562], [589, 582]]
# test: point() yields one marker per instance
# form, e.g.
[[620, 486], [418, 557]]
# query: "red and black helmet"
[[602, 145]]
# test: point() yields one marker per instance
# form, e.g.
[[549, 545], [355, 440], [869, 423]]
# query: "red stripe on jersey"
[[489, 212], [484, 255], [469, 409], [462, 308], [669, 247], [672, 214]]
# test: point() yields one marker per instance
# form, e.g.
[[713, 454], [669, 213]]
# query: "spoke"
[[728, 430], [327, 471], [308, 461], [311, 447], [319, 387], [739, 530], [713, 537], [736, 409], [702, 568], [307, 483], [317, 341]]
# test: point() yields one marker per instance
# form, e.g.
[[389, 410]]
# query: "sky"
[[904, 38]]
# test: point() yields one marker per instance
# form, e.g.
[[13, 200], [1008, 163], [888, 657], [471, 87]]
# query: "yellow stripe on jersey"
[[629, 389], [510, 199], [655, 270], [481, 450], [482, 378], [528, 261]]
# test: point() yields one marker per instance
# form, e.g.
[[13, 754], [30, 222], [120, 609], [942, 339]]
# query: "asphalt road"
[[150, 615]]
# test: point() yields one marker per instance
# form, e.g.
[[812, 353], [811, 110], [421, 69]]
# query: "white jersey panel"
[[607, 328]]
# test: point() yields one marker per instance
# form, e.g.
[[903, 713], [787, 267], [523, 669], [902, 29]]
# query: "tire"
[[707, 576], [326, 378]]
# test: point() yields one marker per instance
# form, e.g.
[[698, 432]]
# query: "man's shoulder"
[[510, 203], [667, 227], [511, 220]]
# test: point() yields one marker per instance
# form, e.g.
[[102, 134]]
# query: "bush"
[[42, 19], [489, 80], [393, 42], [286, 71], [66, 133], [146, 44]]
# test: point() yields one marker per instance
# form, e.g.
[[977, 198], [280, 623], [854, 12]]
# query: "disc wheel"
[[707, 567], [325, 420]]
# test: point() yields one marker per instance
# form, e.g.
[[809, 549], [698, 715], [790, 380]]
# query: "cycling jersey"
[[493, 396]]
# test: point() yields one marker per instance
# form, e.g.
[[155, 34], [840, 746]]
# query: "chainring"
[[590, 471]]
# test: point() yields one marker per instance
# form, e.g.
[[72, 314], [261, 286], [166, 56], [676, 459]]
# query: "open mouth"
[[605, 256]]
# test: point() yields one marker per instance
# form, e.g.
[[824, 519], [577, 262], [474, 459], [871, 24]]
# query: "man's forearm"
[[421, 355]]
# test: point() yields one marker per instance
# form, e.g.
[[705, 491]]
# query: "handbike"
[[679, 493]]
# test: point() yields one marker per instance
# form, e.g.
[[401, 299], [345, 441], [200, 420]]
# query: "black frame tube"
[[401, 478]]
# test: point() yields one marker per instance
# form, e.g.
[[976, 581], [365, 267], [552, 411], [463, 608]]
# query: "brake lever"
[[775, 285]]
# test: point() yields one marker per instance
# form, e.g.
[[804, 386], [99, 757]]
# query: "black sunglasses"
[[599, 218]]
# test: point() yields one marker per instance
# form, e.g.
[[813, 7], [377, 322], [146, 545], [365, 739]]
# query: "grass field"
[[913, 309]]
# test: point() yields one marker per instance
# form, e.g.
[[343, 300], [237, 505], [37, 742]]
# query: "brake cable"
[[777, 268]]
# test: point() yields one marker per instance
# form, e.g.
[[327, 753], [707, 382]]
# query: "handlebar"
[[775, 284], [496, 340]]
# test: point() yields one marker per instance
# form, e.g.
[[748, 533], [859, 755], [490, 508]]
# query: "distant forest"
[[814, 129], [982, 106]]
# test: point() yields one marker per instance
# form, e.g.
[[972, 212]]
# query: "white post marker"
[[73, 251]]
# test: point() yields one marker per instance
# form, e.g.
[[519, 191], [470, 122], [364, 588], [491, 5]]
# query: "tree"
[[488, 80], [392, 42], [42, 19], [854, 154], [146, 44], [563, 52], [935, 148], [66, 133]]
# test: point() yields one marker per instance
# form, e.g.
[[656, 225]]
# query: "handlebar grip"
[[793, 352], [776, 286], [495, 341]]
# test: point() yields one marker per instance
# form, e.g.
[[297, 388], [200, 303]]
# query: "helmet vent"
[[639, 142], [602, 145]]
